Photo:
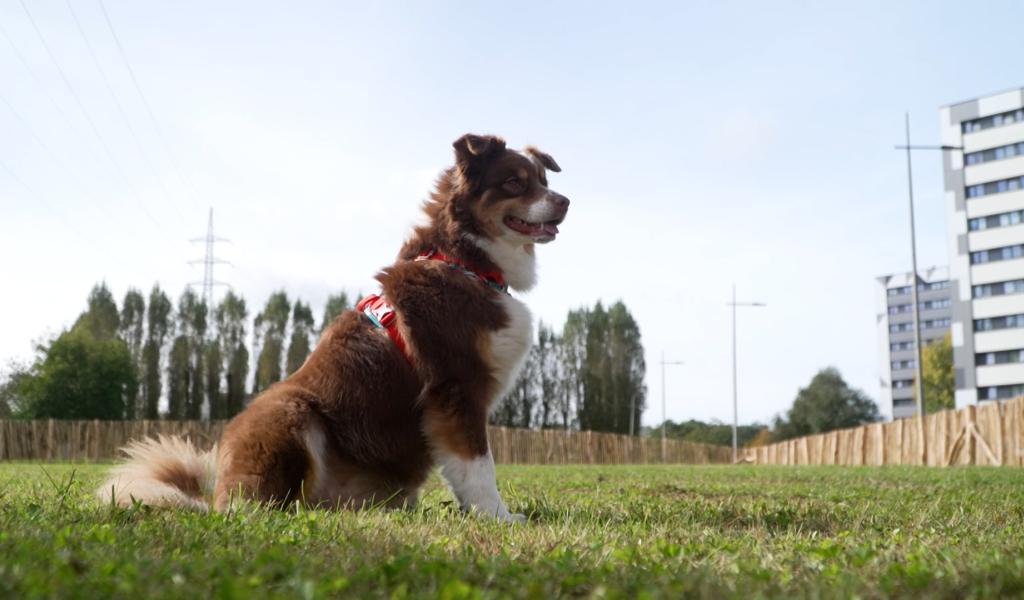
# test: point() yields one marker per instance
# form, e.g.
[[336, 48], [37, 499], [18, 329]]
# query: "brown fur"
[[360, 422]]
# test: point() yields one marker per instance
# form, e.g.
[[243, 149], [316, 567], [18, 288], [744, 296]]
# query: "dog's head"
[[505, 192]]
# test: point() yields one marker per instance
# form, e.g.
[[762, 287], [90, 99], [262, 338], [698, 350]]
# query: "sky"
[[703, 144]]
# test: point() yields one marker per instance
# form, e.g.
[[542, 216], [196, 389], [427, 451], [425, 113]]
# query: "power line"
[[56, 212], [120, 108], [88, 117], [209, 261], [39, 82], [63, 166], [149, 109], [67, 120]]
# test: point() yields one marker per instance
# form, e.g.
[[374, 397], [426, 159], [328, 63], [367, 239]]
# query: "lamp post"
[[735, 410], [918, 380], [663, 416]]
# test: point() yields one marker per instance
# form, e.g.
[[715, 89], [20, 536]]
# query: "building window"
[[898, 365], [936, 304], [995, 187], [903, 402], [983, 156], [1000, 392], [997, 254], [1002, 288], [901, 327], [901, 346], [900, 384], [936, 323], [928, 324], [1001, 357], [993, 221], [995, 323], [898, 309], [1006, 118], [921, 287]]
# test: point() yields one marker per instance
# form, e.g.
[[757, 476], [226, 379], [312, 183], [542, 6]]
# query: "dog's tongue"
[[549, 228]]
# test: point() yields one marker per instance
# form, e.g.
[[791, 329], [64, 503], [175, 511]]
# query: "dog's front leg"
[[460, 448], [474, 485]]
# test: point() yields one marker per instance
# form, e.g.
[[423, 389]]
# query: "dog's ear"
[[472, 153], [545, 159], [470, 146]]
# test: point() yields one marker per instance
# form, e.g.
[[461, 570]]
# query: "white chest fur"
[[510, 345], [517, 264]]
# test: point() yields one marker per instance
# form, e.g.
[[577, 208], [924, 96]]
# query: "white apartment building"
[[984, 195], [895, 322]]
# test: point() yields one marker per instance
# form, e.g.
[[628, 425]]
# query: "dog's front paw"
[[500, 513]]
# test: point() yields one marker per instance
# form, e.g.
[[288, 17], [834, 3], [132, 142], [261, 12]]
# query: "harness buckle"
[[377, 309]]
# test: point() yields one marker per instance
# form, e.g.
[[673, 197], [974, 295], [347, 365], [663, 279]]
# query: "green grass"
[[623, 531]]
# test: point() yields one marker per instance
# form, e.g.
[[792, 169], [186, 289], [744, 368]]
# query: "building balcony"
[[991, 138], [1001, 339], [1000, 270], [995, 170], [993, 204], [1008, 374], [997, 237]]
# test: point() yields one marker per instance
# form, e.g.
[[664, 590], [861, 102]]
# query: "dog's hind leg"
[[263, 455]]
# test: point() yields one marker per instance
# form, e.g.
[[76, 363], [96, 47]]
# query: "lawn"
[[604, 531]]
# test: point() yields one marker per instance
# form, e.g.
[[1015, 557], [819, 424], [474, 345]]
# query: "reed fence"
[[89, 441], [991, 433]]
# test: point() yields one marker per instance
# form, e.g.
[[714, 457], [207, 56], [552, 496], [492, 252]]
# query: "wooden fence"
[[991, 433], [99, 441]]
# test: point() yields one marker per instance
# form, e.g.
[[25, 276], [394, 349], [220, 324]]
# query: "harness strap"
[[491, 278], [381, 313]]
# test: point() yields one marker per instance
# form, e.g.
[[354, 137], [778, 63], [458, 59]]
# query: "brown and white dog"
[[369, 414]]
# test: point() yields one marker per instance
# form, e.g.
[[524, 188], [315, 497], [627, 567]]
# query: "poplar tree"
[[544, 355], [132, 331], [300, 345], [100, 318], [572, 353], [603, 365], [232, 316], [213, 363], [937, 375], [158, 326], [336, 304], [185, 392], [268, 331]]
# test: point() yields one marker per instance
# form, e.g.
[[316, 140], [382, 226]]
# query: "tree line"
[[590, 375], [826, 404], [119, 363], [151, 359]]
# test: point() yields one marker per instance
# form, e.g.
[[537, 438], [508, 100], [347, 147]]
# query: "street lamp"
[[735, 411], [918, 382], [663, 417]]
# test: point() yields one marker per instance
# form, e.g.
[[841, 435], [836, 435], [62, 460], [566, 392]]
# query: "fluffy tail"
[[167, 471]]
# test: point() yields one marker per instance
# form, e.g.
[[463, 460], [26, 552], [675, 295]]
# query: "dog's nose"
[[559, 200]]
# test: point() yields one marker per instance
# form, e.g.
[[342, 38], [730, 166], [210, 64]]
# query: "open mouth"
[[545, 229]]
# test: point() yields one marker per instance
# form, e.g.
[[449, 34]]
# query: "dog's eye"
[[513, 185]]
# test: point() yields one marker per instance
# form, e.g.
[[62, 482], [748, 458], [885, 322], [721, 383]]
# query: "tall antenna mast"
[[208, 262]]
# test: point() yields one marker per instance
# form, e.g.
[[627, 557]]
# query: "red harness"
[[381, 313]]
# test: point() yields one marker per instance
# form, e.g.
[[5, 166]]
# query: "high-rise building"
[[984, 195], [895, 321]]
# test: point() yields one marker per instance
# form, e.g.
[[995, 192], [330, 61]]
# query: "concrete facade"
[[895, 322], [984, 198]]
